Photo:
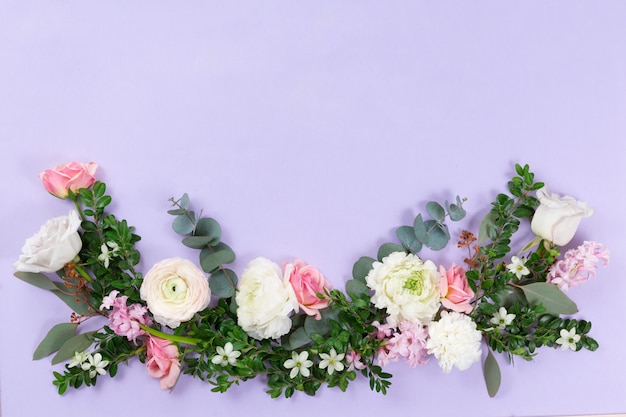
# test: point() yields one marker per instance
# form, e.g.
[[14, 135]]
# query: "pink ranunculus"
[[456, 293], [307, 282], [70, 176], [162, 361]]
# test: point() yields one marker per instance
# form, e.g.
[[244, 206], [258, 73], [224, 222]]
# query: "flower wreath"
[[286, 322]]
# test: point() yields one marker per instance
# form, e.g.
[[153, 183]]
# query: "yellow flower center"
[[174, 289]]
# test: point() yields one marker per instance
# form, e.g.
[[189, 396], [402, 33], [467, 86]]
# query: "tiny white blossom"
[[106, 254], [568, 339], [332, 361], [78, 359], [226, 355], [299, 364], [518, 267], [95, 365], [502, 319]]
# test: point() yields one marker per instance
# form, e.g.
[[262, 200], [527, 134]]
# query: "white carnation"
[[406, 287], [454, 340], [264, 300]]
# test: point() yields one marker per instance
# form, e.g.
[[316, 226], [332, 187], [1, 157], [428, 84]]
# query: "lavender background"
[[313, 130]]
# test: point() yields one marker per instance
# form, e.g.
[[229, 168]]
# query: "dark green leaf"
[[388, 248], [523, 212], [210, 228], [312, 326], [420, 229], [456, 211], [491, 372], [78, 306], [550, 296], [55, 338]]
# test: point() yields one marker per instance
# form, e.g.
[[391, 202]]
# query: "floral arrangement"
[[286, 323]]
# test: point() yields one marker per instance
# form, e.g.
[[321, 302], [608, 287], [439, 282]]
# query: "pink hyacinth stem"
[[174, 338]]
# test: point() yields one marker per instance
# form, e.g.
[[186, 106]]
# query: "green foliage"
[[56, 337], [491, 372], [204, 234]]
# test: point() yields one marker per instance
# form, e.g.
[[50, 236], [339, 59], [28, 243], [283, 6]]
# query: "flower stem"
[[174, 338], [83, 272]]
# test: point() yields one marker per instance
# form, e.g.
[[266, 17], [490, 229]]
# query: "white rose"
[[454, 340], [57, 243], [264, 300], [174, 290], [406, 286], [557, 218]]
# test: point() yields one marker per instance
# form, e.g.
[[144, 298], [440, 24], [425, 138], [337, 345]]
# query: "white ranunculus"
[[454, 340], [557, 218], [174, 290], [406, 287], [264, 300], [57, 243]]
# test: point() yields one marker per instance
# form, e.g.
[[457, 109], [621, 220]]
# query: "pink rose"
[[454, 289], [72, 176], [307, 282], [162, 361]]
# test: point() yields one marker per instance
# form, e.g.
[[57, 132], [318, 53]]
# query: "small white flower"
[[299, 364], [95, 364], [78, 359], [332, 361], [106, 254], [518, 267], [568, 339], [502, 319], [226, 355]]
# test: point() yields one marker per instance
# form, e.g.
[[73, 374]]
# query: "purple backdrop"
[[312, 130]]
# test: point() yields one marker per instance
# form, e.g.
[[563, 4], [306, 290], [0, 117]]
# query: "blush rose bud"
[[557, 218], [72, 176]]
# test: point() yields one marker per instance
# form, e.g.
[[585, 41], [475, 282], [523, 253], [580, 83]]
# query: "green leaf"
[[198, 242], [312, 326], [436, 211], [523, 212], [420, 229], [456, 211], [78, 343], [362, 268], [213, 257], [550, 296], [407, 237], [438, 235], [55, 338], [299, 338], [388, 248], [185, 223], [37, 279], [99, 188], [79, 307], [223, 283], [491, 372], [210, 228], [356, 288], [488, 227]]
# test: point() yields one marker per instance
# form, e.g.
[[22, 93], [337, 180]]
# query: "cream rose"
[[57, 243], [265, 299], [557, 218], [406, 287], [174, 290]]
